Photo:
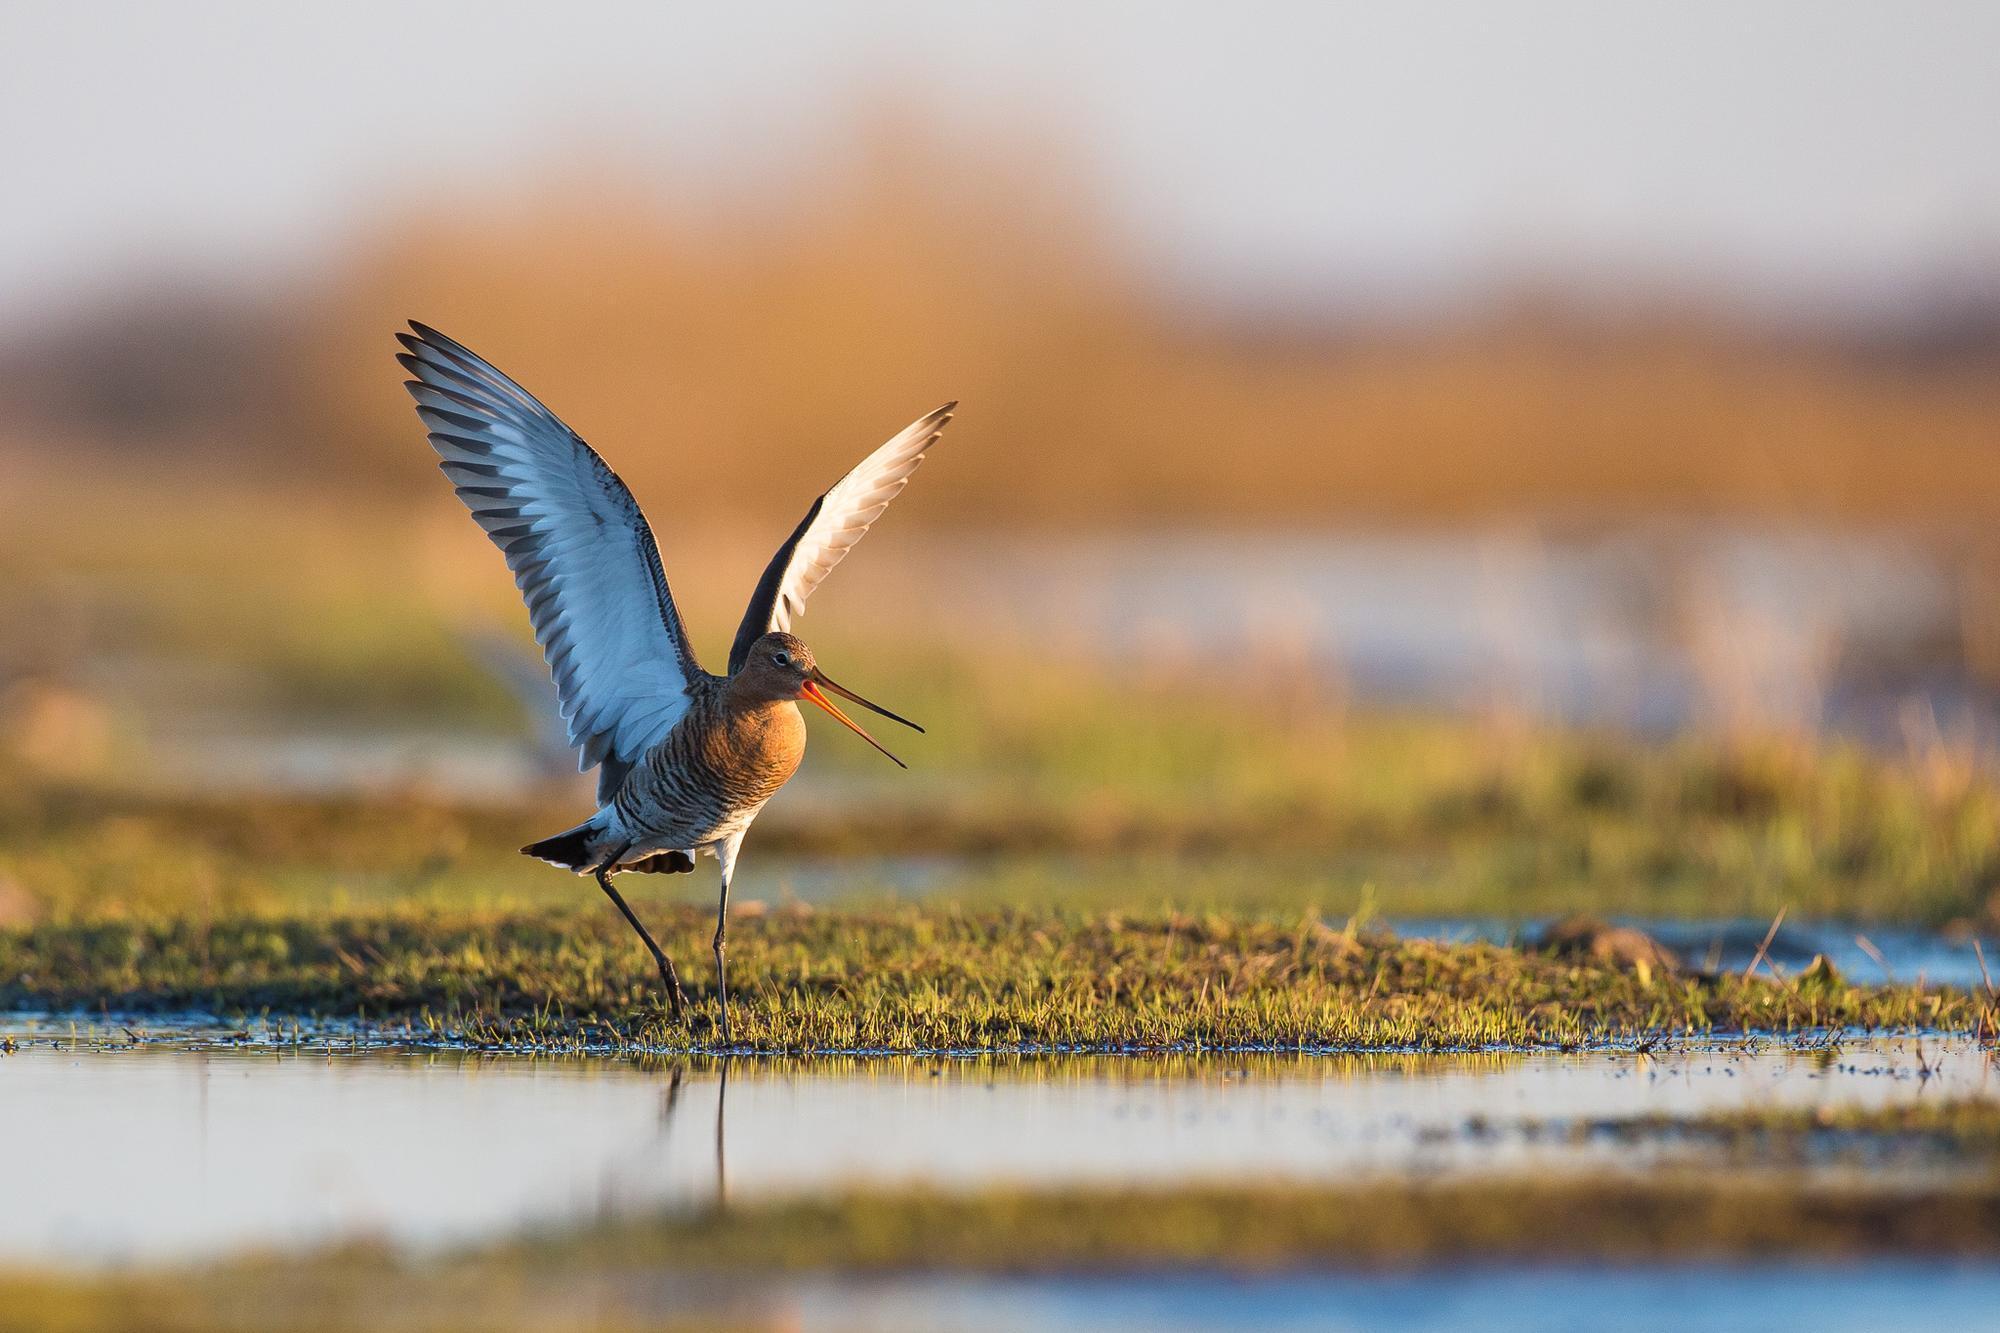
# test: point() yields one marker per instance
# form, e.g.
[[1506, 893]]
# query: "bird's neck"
[[744, 695]]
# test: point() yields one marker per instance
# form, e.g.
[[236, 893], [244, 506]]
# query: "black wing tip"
[[425, 338]]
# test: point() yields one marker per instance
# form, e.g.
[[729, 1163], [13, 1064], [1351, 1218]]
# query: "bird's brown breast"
[[753, 751], [713, 771]]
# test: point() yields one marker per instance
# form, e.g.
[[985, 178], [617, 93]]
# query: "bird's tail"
[[580, 849]]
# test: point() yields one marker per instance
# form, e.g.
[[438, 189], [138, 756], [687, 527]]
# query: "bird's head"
[[780, 666]]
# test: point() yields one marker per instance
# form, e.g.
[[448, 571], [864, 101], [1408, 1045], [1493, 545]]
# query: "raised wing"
[[580, 550], [836, 521]]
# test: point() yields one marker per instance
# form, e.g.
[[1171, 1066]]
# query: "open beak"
[[811, 690]]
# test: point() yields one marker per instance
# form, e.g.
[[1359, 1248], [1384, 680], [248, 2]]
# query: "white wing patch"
[[838, 520]]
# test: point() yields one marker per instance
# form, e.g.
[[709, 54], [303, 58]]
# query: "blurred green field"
[[1068, 792]]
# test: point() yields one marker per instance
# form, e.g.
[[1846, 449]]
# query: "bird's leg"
[[721, 968], [726, 855], [676, 998]]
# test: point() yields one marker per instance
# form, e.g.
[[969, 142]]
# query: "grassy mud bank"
[[928, 978]]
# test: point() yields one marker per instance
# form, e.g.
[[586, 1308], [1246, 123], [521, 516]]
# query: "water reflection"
[[175, 1150]]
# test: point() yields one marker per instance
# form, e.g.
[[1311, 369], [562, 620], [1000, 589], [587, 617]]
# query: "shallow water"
[[1901, 954], [1878, 1297], [185, 1147], [1624, 628]]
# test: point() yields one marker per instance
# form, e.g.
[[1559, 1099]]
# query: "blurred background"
[[1629, 370]]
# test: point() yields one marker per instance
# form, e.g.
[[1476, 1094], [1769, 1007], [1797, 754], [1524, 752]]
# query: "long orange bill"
[[811, 690]]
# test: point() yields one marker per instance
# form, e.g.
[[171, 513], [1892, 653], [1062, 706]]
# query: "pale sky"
[[1815, 151]]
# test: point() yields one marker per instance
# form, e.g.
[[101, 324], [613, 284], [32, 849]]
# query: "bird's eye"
[[781, 659]]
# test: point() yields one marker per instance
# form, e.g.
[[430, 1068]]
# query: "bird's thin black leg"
[[676, 998], [722, 943], [725, 854]]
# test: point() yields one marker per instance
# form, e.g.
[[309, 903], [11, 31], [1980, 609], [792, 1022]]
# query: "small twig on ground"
[[1765, 947]]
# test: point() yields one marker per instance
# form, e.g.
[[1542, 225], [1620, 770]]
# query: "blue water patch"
[[1866, 954], [1876, 1296]]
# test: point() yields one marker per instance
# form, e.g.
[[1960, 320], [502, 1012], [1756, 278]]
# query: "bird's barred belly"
[[653, 829]]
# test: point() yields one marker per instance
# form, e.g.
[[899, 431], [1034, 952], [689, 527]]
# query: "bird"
[[685, 758]]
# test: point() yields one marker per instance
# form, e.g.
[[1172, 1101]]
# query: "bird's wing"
[[836, 521], [580, 550]]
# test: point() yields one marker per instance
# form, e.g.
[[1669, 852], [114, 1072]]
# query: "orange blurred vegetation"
[[731, 355]]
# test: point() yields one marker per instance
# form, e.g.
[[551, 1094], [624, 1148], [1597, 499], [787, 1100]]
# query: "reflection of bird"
[[671, 1106], [685, 759], [721, 1157]]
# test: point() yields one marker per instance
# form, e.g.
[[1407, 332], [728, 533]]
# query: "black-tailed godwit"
[[685, 759]]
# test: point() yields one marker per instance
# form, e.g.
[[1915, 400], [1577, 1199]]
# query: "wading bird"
[[685, 759]]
